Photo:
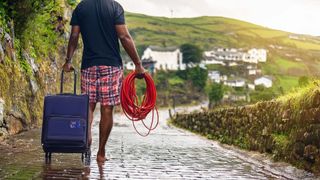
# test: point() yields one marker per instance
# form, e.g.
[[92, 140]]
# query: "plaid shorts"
[[102, 84]]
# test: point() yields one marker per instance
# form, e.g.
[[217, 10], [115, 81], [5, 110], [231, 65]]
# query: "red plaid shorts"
[[102, 84]]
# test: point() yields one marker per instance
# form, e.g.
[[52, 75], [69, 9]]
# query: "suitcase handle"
[[74, 82]]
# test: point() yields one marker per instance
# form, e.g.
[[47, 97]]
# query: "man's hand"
[[140, 71], [67, 67]]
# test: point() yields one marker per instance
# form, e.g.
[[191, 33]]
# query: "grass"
[[302, 44], [288, 83], [284, 66], [174, 81], [210, 32], [269, 33], [300, 92], [281, 140]]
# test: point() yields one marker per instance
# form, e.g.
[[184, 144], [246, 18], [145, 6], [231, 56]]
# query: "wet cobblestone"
[[168, 153], [171, 153]]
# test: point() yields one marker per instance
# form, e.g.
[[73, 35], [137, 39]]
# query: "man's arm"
[[72, 46], [128, 44]]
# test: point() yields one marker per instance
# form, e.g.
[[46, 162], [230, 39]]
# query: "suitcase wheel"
[[48, 157], [86, 157]]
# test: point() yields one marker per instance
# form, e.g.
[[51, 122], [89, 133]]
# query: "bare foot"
[[101, 156], [101, 159]]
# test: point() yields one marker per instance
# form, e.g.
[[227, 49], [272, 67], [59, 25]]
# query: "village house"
[[265, 81], [165, 58], [252, 72], [230, 57], [129, 66], [251, 86], [235, 83], [148, 64], [214, 76], [259, 55], [234, 98]]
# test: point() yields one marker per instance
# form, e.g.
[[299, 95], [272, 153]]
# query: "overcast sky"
[[298, 16]]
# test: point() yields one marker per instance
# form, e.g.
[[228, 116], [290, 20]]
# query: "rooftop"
[[163, 49]]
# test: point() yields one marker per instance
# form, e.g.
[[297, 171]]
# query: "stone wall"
[[30, 64], [287, 128]]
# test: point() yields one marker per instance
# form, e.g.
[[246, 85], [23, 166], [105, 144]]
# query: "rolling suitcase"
[[65, 123]]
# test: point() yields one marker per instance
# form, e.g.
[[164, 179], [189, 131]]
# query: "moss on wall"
[[287, 128], [39, 34]]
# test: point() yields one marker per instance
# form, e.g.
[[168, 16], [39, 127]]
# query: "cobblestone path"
[[168, 153]]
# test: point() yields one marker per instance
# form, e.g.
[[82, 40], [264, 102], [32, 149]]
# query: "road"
[[168, 153]]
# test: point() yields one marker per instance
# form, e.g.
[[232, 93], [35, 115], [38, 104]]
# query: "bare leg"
[[106, 124], [91, 110]]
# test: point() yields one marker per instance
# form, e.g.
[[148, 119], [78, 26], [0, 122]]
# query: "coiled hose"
[[136, 111]]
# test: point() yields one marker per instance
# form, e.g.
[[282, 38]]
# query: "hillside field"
[[290, 55]]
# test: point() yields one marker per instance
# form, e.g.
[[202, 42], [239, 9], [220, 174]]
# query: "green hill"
[[290, 55]]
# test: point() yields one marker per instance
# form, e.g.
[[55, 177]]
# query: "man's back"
[[101, 23], [97, 20]]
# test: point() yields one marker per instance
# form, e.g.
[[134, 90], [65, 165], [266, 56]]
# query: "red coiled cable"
[[130, 104]]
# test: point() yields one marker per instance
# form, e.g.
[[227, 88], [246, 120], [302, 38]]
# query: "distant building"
[[165, 58], [231, 64], [257, 55], [234, 98], [231, 56], [252, 86], [235, 83], [215, 76], [209, 60], [266, 81], [252, 72], [148, 64], [129, 65]]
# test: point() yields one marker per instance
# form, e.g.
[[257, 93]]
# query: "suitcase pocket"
[[66, 129]]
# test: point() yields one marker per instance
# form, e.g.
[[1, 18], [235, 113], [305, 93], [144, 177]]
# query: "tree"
[[141, 49], [191, 53], [198, 77], [215, 94], [303, 81]]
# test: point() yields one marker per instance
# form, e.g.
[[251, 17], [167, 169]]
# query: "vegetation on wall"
[[36, 36], [287, 128]]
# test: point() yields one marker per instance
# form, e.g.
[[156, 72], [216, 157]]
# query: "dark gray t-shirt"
[[97, 20]]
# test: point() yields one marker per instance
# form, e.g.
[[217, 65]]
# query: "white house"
[[129, 65], [251, 86], [166, 58], [224, 55], [235, 83], [213, 61], [215, 76], [234, 98], [252, 71], [266, 81], [259, 55]]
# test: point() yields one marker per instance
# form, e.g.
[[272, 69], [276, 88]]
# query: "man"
[[101, 24]]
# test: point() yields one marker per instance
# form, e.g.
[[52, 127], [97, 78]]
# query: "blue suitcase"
[[65, 123]]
